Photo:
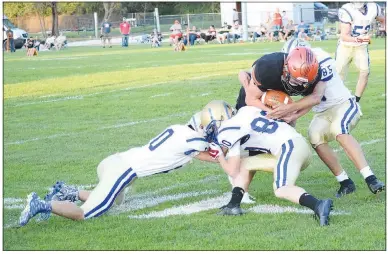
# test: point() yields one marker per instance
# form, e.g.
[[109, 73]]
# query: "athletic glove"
[[214, 150]]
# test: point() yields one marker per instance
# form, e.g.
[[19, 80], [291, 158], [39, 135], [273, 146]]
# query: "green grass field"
[[66, 111]]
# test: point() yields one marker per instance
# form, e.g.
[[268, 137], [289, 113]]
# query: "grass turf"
[[66, 111]]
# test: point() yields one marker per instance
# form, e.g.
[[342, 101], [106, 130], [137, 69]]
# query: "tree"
[[109, 7], [54, 12]]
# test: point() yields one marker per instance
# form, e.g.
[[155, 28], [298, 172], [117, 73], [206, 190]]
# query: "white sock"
[[342, 177], [365, 172]]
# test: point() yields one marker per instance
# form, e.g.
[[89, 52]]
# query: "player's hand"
[[214, 150], [280, 111]]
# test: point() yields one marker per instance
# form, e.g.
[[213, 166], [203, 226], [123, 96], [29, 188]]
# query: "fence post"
[[95, 25], [244, 21], [157, 20]]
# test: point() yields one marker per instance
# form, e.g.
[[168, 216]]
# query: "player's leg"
[[343, 58], [361, 60], [343, 124], [294, 153], [319, 136]]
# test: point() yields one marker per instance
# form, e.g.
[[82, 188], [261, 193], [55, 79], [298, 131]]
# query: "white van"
[[20, 36]]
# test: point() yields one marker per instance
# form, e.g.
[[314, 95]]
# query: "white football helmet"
[[212, 115], [359, 5], [294, 43]]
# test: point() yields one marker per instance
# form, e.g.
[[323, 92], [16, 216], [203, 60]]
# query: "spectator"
[[235, 33], [176, 34], [284, 18], [105, 32], [10, 41], [193, 35], [276, 25], [302, 31], [235, 16], [210, 34], [289, 29], [222, 35], [156, 39], [261, 32], [125, 29], [31, 50]]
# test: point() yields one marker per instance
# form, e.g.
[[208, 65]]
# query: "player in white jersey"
[[336, 116], [195, 122], [171, 149], [249, 129], [356, 20]]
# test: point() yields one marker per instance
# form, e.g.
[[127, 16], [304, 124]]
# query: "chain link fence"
[[82, 26]]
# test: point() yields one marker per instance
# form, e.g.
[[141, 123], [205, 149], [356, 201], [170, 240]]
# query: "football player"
[[356, 20], [195, 122], [336, 116], [171, 149], [249, 129], [287, 73]]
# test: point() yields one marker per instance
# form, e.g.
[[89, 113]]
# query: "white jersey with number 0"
[[336, 92], [173, 148], [254, 132], [360, 22]]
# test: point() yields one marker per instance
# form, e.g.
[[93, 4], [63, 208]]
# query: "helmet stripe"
[[289, 45], [226, 110], [211, 114]]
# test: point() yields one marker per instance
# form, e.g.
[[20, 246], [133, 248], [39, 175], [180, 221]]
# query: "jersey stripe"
[[226, 110], [278, 166], [351, 18], [196, 139], [195, 124], [351, 117], [229, 128], [190, 152]]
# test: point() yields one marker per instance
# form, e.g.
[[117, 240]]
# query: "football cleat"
[[231, 210], [53, 191], [322, 211], [248, 199], [374, 184], [34, 206], [345, 189]]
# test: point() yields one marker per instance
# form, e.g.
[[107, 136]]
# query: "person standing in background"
[[10, 41], [125, 29], [276, 25], [105, 32], [235, 16]]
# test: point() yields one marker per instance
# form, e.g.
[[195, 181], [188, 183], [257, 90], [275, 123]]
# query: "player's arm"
[[231, 165], [253, 93], [205, 156], [345, 33], [301, 107]]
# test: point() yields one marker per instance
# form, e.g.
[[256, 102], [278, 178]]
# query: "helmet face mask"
[[300, 71], [212, 116]]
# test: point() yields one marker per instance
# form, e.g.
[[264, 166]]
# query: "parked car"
[[19, 35]]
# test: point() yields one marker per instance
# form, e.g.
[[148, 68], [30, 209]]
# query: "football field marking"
[[82, 96], [213, 203]]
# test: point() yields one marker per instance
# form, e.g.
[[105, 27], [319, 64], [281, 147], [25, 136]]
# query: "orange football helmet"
[[301, 69]]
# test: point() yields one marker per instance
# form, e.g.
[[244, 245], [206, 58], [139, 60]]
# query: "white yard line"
[[160, 95], [133, 204]]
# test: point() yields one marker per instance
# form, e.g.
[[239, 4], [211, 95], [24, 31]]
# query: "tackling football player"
[[336, 116], [248, 130], [171, 149]]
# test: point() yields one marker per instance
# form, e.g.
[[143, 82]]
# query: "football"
[[274, 97]]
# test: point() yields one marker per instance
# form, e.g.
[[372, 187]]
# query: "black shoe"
[[346, 188], [322, 211], [231, 210], [374, 184]]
